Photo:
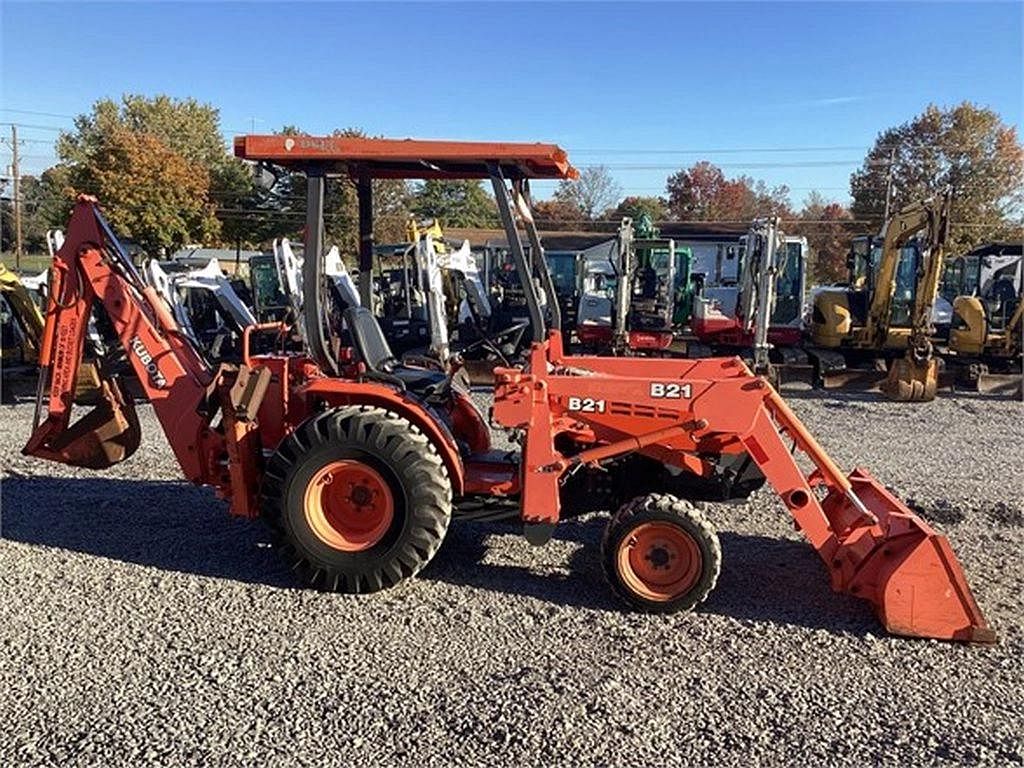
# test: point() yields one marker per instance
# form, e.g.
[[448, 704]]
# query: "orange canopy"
[[409, 158]]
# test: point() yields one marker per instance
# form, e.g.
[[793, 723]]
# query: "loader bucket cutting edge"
[[905, 569]]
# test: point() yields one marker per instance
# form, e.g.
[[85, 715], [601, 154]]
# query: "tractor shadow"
[[166, 525], [181, 528], [780, 581]]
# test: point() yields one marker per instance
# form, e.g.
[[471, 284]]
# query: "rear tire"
[[360, 497], [660, 554]]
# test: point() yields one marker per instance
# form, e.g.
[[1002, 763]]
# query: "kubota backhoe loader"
[[888, 319], [356, 460]]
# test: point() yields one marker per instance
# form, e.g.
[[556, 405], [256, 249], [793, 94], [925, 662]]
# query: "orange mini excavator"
[[359, 461]]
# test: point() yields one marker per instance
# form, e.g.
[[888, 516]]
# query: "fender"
[[338, 392]]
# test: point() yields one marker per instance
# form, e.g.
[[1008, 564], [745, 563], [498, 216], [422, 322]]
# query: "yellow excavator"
[[989, 357], [22, 325], [886, 318], [21, 332]]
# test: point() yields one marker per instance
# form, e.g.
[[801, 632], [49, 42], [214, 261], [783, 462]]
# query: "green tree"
[[161, 197], [46, 204], [968, 147], [455, 203], [655, 207], [594, 192]]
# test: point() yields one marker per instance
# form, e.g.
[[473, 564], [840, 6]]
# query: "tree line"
[[165, 177]]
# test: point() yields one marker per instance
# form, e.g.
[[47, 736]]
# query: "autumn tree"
[[183, 132], [591, 194], [555, 214], [455, 203], [633, 207], [703, 193], [828, 227], [158, 198], [186, 126], [968, 147]]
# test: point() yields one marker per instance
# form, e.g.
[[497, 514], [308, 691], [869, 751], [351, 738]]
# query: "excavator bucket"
[[910, 381], [106, 435], [1003, 384], [907, 571]]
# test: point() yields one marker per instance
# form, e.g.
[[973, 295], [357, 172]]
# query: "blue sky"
[[641, 88]]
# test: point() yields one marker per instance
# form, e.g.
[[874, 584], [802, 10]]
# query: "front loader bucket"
[[106, 435], [909, 381], [899, 564]]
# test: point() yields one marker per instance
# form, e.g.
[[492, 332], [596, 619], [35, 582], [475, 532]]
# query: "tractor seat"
[[381, 364]]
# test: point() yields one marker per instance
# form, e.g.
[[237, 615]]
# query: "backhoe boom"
[[185, 393]]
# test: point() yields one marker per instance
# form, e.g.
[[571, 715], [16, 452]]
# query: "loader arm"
[[680, 413]]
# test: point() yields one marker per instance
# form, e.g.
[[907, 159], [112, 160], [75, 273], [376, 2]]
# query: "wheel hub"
[[659, 557], [349, 505], [659, 561], [361, 495]]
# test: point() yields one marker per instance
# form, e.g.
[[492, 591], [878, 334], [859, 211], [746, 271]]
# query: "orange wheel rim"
[[349, 506], [659, 561]]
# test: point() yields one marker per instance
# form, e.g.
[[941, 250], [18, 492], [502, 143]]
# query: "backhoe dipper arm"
[[90, 268], [929, 276]]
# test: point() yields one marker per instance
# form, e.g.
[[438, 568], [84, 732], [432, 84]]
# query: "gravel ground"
[[140, 624]]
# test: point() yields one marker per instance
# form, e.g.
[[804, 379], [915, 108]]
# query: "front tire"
[[660, 554], [360, 497]]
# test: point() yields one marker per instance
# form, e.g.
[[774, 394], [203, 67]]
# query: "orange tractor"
[[360, 461]]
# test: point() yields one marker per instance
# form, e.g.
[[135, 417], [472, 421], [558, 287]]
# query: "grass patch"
[[31, 263]]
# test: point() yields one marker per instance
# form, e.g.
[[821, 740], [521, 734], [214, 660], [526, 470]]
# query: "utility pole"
[[16, 197], [889, 187]]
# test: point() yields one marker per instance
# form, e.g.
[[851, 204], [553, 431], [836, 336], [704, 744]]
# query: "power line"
[[36, 157], [55, 128], [797, 164], [34, 112], [721, 151]]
